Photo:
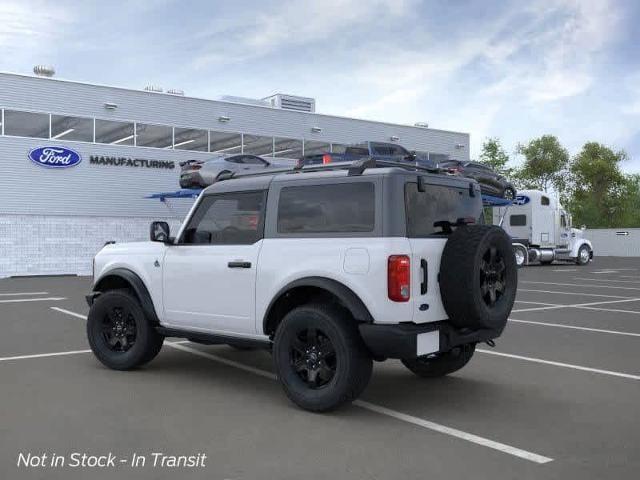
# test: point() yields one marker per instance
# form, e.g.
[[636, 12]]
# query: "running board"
[[213, 338]]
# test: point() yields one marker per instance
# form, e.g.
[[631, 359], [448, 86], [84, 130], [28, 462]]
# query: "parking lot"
[[557, 398]]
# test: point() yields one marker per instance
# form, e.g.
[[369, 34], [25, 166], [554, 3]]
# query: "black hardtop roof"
[[355, 170]]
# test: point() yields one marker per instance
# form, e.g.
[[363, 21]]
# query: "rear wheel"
[[119, 333], [584, 255], [320, 358], [440, 364]]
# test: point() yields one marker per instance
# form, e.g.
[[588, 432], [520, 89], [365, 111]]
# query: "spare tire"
[[478, 277]]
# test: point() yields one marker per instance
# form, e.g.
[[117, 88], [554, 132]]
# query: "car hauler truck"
[[541, 230]]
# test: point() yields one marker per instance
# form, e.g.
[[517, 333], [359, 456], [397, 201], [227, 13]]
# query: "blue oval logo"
[[55, 157], [521, 200]]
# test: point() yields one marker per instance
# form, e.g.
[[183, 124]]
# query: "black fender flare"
[[136, 284], [347, 297]]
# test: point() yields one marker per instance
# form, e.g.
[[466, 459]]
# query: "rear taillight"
[[399, 278], [326, 158]]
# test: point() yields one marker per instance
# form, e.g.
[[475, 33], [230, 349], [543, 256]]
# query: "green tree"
[[545, 164], [494, 156], [602, 195]]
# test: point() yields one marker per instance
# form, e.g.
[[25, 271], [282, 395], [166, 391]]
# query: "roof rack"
[[356, 167]]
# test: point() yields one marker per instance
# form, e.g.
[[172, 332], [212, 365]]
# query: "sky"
[[508, 69]]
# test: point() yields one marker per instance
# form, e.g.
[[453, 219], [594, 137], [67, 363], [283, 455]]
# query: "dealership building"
[[77, 160]]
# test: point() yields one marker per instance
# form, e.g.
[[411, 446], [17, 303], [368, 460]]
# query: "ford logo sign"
[[521, 200], [55, 157]]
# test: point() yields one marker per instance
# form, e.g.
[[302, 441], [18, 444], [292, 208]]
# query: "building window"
[[225, 142], [257, 145], [312, 147], [114, 133], [287, 148], [158, 136], [190, 139], [71, 128], [26, 124]]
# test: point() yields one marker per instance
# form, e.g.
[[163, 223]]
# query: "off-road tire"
[[469, 288], [148, 341], [352, 361], [440, 364], [579, 260]]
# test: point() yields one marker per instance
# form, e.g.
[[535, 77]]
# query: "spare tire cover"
[[478, 277]]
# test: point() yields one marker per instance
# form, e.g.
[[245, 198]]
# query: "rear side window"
[[517, 220], [544, 200], [436, 204], [335, 208]]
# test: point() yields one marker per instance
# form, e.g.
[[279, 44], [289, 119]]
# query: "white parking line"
[[69, 312], [564, 270], [575, 327], [583, 285], [517, 452], [560, 364], [22, 293], [540, 303], [575, 305], [570, 293], [608, 280], [42, 355], [616, 310], [19, 300], [469, 437]]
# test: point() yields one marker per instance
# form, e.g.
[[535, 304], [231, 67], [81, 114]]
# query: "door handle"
[[239, 264], [425, 276]]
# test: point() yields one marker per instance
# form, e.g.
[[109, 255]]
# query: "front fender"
[[578, 243], [116, 277]]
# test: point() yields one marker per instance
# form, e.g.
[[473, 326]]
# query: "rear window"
[[517, 220], [438, 203], [335, 208]]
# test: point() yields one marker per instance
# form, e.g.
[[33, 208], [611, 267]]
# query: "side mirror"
[[159, 232]]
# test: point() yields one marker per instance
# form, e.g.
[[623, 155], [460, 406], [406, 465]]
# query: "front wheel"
[[320, 358], [119, 333], [584, 255], [440, 364]]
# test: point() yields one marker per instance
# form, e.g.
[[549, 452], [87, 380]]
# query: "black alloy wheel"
[[119, 329], [119, 333], [320, 358], [492, 276], [313, 357]]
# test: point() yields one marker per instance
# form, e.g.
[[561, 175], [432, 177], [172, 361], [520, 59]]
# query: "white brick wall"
[[46, 245]]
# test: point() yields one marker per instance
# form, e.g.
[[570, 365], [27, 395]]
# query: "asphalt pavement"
[[557, 398]]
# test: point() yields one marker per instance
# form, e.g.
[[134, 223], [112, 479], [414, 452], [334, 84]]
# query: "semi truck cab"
[[541, 230]]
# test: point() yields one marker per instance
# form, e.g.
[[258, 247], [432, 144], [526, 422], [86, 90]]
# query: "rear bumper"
[[408, 340]]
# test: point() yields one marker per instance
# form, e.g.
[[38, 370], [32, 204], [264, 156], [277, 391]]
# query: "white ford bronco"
[[328, 267]]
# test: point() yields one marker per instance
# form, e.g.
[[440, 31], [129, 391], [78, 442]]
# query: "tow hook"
[[491, 343]]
